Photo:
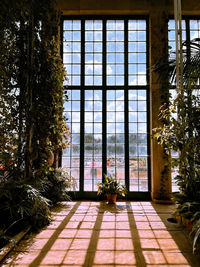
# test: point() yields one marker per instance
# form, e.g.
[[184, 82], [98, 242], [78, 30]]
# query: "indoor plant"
[[111, 187]]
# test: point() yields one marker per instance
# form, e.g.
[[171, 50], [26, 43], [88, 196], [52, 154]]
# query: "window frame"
[[126, 87]]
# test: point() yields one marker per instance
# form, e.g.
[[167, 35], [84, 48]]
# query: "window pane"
[[115, 134], [115, 52], [72, 49], [137, 52], [71, 155], [93, 52], [137, 140], [93, 139]]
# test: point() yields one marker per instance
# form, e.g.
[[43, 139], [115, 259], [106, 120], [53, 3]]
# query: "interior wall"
[[189, 7]]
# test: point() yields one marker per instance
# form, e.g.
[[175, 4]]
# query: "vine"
[[31, 112]]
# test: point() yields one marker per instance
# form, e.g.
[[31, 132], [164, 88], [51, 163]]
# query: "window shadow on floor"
[[96, 234]]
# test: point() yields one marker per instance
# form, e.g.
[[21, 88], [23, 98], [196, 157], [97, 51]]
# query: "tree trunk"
[[29, 97]]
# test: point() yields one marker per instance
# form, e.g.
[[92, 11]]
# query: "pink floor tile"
[[105, 244], [123, 233], [72, 225], [58, 218], [67, 233], [175, 257], [167, 244], [143, 225], [140, 218], [122, 218], [104, 257], [149, 244], [54, 257], [90, 218], [124, 244], [61, 244], [157, 225], [45, 233], [162, 234], [77, 218], [38, 243], [87, 225], [154, 218], [26, 258], [122, 225], [84, 234], [154, 257], [72, 257], [125, 257], [108, 225], [146, 234], [54, 225], [107, 233], [80, 244], [109, 218]]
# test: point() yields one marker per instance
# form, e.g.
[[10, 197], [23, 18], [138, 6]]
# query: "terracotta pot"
[[111, 198]]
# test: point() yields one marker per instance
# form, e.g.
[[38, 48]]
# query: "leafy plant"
[[180, 117], [6, 233], [180, 132], [20, 200], [196, 232], [31, 87], [31, 111], [58, 184], [111, 185]]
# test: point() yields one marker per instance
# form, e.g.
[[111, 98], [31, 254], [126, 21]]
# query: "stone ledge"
[[12, 243]]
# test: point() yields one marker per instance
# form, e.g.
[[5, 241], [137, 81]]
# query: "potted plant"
[[111, 187]]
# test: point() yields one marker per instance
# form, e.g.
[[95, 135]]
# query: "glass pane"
[[71, 51], [71, 155], [138, 140], [93, 52], [137, 52], [93, 138], [115, 134], [115, 52]]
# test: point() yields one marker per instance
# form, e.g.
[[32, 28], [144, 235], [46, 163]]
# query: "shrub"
[[58, 184], [19, 200]]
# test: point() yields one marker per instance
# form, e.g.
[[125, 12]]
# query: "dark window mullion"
[[82, 130], [126, 103], [187, 25], [104, 103]]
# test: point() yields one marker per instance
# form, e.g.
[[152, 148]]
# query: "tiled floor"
[[94, 234]]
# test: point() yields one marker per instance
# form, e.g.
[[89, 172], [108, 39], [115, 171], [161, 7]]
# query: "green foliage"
[[22, 201], [111, 185], [31, 87], [57, 185], [180, 133], [185, 208], [31, 110], [196, 232]]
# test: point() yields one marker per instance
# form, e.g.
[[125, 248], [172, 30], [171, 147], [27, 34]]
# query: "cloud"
[[140, 79]]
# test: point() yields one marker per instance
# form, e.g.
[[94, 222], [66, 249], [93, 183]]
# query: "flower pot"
[[111, 198]]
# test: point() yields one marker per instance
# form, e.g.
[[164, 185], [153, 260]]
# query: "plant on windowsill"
[[111, 187]]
